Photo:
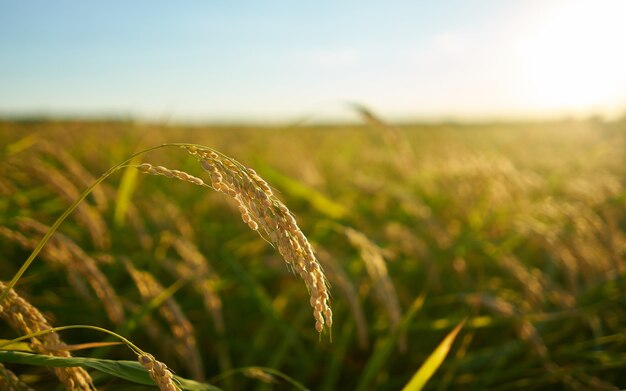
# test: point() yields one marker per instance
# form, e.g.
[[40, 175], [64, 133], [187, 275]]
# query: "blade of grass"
[[132, 323], [125, 192], [433, 362], [297, 189], [128, 370], [20, 346], [20, 145]]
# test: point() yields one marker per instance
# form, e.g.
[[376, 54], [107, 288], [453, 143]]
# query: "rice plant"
[[453, 256]]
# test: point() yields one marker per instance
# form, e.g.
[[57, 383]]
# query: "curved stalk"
[[71, 208], [130, 345]]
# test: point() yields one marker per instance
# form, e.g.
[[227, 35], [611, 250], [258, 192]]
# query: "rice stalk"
[[204, 279], [195, 268], [181, 327], [262, 211], [75, 169], [376, 267], [159, 372], [62, 251], [154, 330], [25, 318], [259, 209], [147, 168], [10, 382], [86, 214], [206, 287], [73, 206]]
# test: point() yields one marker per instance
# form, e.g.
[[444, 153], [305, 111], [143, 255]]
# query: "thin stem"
[[131, 345], [72, 207]]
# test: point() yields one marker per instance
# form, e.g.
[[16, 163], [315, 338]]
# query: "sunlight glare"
[[574, 58]]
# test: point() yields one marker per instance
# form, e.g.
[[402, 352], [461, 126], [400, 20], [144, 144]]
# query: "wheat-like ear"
[[377, 270], [196, 268], [159, 372], [182, 329], [148, 168], [62, 251], [75, 169], [265, 213], [26, 318], [10, 382], [259, 208], [86, 214]]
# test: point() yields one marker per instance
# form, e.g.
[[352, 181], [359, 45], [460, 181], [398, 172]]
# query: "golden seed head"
[[206, 165], [245, 217], [263, 212], [144, 167], [146, 360], [196, 181]]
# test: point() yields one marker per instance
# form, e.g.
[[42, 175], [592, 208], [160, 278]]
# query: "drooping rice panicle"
[[10, 382], [75, 169], [377, 270], [147, 168], [159, 372], [26, 318], [62, 251], [86, 214], [262, 211]]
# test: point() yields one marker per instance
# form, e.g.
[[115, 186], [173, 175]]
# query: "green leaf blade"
[[433, 362]]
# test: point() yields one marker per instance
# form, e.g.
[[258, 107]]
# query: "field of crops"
[[515, 232]]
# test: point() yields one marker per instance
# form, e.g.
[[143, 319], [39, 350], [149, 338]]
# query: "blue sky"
[[279, 60]]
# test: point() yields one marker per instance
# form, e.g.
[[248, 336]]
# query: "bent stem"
[[71, 208], [130, 345]]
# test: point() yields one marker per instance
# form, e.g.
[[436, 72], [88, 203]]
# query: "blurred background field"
[[517, 227], [456, 165]]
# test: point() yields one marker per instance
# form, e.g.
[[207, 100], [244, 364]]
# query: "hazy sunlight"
[[570, 60]]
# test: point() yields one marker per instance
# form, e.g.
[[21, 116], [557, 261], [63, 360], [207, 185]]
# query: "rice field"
[[335, 257]]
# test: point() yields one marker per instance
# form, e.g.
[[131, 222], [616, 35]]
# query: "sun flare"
[[572, 58]]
